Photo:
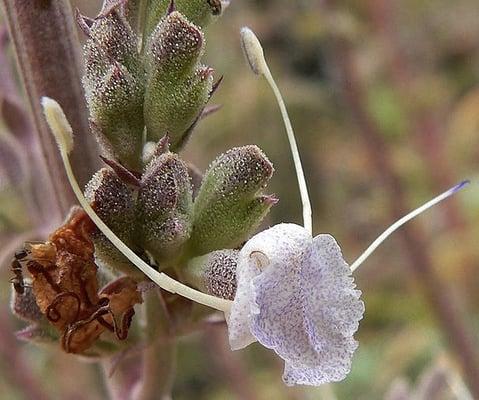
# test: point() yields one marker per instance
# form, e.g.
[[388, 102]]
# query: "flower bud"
[[25, 306], [214, 273], [114, 87], [110, 39], [199, 12], [113, 202], [228, 207], [177, 88], [165, 206]]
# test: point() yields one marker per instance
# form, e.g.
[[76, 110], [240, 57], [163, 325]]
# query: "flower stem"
[[255, 56], [159, 358], [47, 51]]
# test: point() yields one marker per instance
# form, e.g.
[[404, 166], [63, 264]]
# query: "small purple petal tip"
[[460, 186]]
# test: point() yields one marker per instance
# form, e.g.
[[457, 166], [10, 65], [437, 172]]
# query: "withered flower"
[[65, 287]]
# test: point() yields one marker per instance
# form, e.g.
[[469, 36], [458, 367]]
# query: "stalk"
[[47, 52]]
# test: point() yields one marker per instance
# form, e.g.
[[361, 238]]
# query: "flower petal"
[[332, 313], [296, 296]]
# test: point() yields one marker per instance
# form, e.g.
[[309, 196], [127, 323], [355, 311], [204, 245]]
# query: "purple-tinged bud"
[[110, 40], [113, 201], [25, 305], [214, 273], [165, 206], [229, 207]]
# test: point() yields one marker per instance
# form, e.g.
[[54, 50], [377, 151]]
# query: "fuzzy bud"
[[110, 38], [199, 12], [177, 88], [113, 201], [165, 206], [214, 273], [116, 109], [228, 208], [25, 305], [114, 86]]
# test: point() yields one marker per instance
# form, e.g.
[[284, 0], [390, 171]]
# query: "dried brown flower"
[[65, 286]]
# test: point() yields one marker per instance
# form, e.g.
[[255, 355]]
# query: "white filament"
[[374, 245], [64, 137], [255, 56]]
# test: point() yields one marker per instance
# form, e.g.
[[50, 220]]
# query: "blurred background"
[[384, 98]]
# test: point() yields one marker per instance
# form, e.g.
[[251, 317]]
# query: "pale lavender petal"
[[332, 313], [275, 243], [277, 320]]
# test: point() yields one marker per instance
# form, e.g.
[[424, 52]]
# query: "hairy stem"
[[159, 358], [47, 51], [415, 245]]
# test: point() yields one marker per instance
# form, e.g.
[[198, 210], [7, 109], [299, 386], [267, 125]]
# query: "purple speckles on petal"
[[299, 300]]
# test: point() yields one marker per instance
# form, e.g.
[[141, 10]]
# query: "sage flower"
[[296, 296]]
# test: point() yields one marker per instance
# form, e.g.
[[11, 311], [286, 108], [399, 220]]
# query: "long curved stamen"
[[255, 56], [64, 136], [374, 245]]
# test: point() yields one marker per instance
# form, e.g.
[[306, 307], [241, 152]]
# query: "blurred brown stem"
[[47, 50], [415, 244], [427, 123]]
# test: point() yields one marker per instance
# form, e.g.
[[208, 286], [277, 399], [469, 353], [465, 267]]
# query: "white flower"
[[296, 296]]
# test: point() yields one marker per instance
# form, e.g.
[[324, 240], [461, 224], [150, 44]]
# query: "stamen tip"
[[58, 123], [460, 186], [253, 51]]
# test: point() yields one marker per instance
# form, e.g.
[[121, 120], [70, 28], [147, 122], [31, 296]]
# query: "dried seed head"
[[214, 273], [228, 208], [65, 287], [165, 205]]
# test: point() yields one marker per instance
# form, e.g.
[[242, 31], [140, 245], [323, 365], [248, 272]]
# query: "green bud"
[[116, 111], [110, 39], [114, 203], [214, 273], [165, 206], [228, 207], [177, 88], [114, 86], [199, 12]]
